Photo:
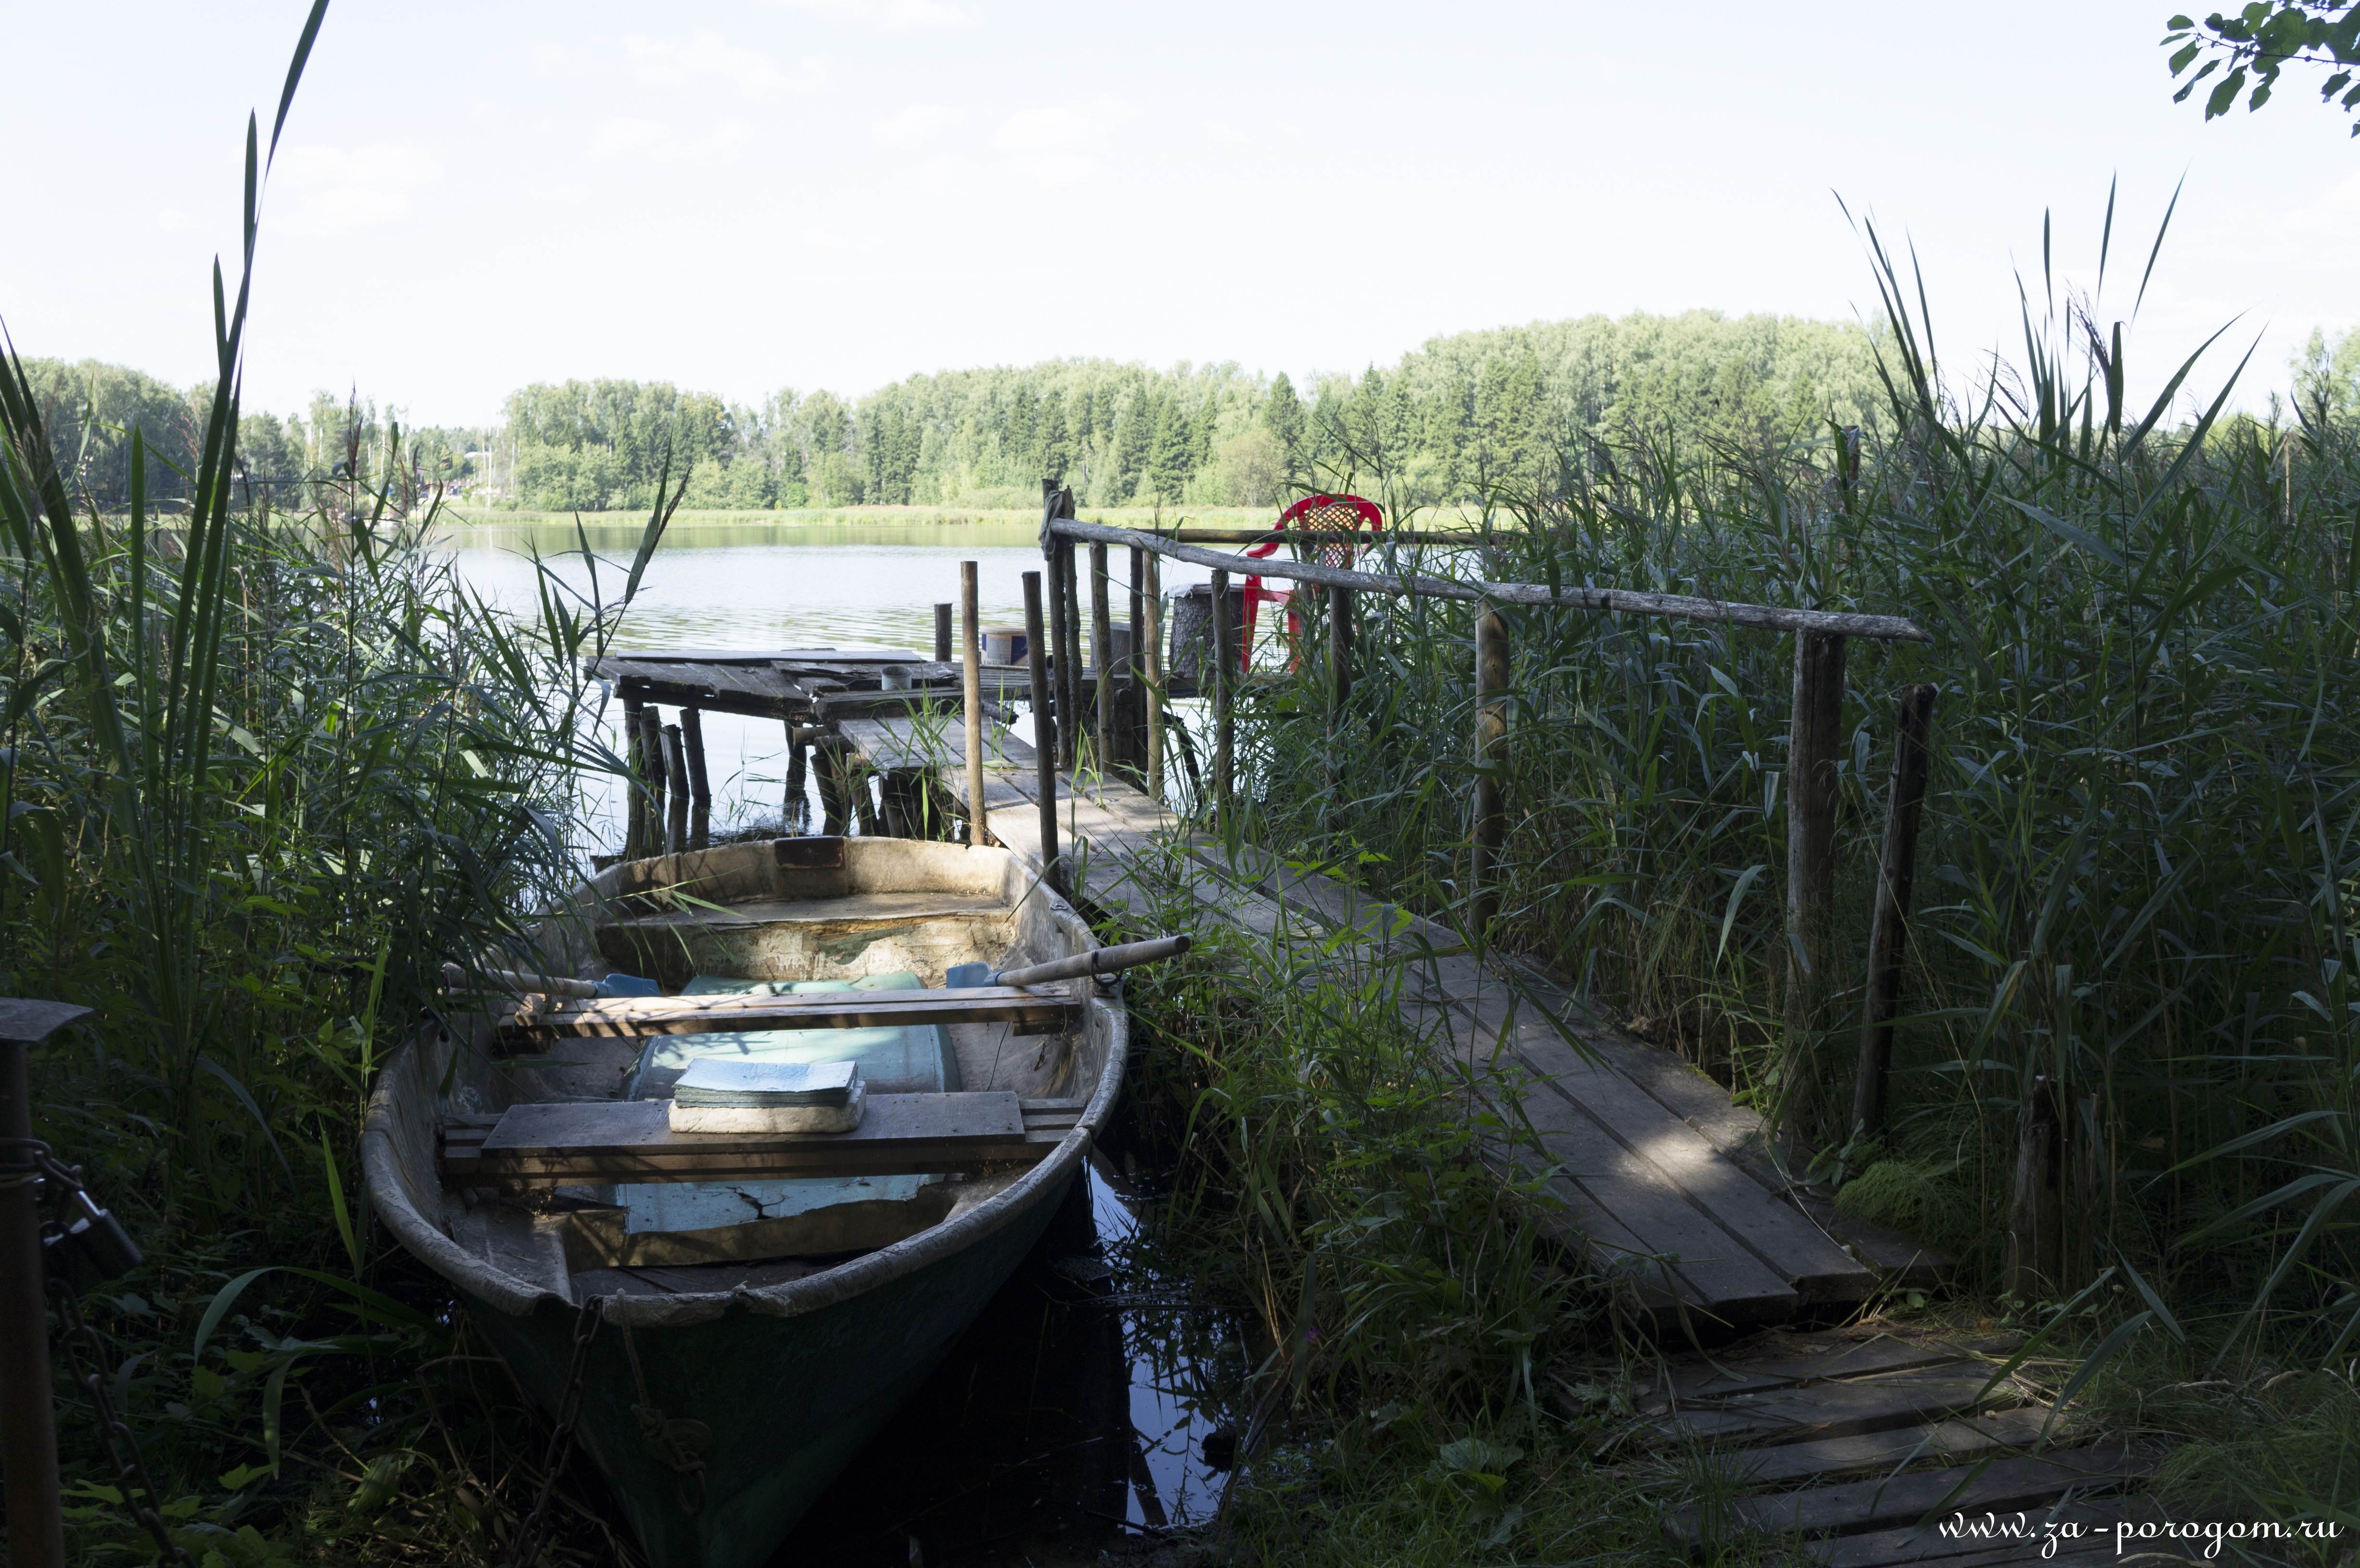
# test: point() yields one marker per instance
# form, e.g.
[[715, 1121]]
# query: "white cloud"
[[624, 134], [1221, 131], [894, 15], [916, 125], [1043, 130], [1056, 147], [341, 190], [706, 56]]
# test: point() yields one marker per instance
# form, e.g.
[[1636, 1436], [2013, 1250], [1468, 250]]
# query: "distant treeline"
[[1506, 406]]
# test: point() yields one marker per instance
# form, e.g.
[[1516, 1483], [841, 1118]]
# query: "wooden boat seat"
[[566, 1144]]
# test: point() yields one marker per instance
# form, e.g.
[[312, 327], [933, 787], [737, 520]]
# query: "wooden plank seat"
[[565, 1143], [1032, 1008]]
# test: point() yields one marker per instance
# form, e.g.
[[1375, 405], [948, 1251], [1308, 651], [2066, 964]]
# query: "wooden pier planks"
[[1659, 1177]]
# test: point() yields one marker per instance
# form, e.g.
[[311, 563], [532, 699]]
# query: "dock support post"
[[941, 634], [700, 782], [2036, 1214], [1153, 604], [1060, 733], [1224, 718], [796, 816], [676, 768], [1102, 655], [1810, 863], [1889, 928], [978, 824], [651, 758], [1134, 709], [834, 788], [1044, 733], [635, 805], [1069, 674], [1491, 757], [27, 1409]]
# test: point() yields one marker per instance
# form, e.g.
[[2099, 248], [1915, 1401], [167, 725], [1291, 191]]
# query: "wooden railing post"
[[1102, 655], [700, 782], [1889, 928], [1490, 756], [1224, 716], [1810, 856], [1044, 732], [676, 756], [941, 634], [1152, 604], [28, 1430], [978, 822], [1134, 711], [1069, 674]]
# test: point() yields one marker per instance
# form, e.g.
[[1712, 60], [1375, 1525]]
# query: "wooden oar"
[[458, 976], [633, 1016], [1097, 961]]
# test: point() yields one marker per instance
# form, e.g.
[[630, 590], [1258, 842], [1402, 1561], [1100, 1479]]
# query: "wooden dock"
[[1658, 1176]]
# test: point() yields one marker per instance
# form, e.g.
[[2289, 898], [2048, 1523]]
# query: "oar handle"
[[1097, 961], [456, 976]]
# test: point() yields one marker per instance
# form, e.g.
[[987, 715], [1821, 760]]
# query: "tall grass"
[[2140, 837]]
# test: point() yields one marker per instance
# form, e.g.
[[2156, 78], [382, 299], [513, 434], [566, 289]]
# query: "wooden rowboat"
[[765, 1301]]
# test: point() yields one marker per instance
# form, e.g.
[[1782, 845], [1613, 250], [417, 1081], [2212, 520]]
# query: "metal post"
[[941, 634], [1224, 725], [978, 824], [28, 1431], [1102, 655], [700, 783], [1490, 756], [1889, 927], [1152, 602], [1043, 743], [1810, 855]]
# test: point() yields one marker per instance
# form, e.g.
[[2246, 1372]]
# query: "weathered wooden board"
[[1807, 1363], [1964, 1438], [1889, 1502], [632, 1141], [1816, 1411], [633, 1017]]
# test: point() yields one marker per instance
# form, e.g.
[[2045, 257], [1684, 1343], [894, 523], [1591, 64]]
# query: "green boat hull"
[[790, 1400]]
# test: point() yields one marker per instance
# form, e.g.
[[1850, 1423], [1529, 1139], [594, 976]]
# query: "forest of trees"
[[1459, 413]]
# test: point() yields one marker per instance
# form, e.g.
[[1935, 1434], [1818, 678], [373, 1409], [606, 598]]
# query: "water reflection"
[[1070, 1419]]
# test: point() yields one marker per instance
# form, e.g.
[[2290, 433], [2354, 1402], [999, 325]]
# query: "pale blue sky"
[[739, 196]]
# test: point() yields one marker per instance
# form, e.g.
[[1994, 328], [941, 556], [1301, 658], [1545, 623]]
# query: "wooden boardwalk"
[[1659, 1177]]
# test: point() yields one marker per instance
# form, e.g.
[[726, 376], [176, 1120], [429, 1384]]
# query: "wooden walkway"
[[1660, 1178]]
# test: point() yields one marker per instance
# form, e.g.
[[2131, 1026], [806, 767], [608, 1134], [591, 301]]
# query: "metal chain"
[[122, 1446], [561, 1436], [679, 1446]]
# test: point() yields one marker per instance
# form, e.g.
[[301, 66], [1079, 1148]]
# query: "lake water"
[[763, 587], [1073, 1412]]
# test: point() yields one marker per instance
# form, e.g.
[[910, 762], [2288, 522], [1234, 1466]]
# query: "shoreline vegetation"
[[1143, 520]]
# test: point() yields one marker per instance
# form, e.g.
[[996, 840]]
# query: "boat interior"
[[790, 917]]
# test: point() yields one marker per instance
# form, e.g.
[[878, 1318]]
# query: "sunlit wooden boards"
[[565, 1144]]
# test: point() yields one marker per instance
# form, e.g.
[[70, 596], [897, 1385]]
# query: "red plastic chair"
[[1328, 524]]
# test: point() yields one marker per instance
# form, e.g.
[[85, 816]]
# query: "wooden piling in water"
[[700, 782], [1102, 657], [795, 813], [978, 831], [1044, 733], [1490, 756], [1224, 718], [651, 757], [1810, 856], [941, 634], [676, 771], [635, 805], [1152, 604], [1889, 927]]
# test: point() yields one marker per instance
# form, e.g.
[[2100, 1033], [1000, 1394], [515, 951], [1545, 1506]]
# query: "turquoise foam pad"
[[913, 1059], [892, 1059]]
